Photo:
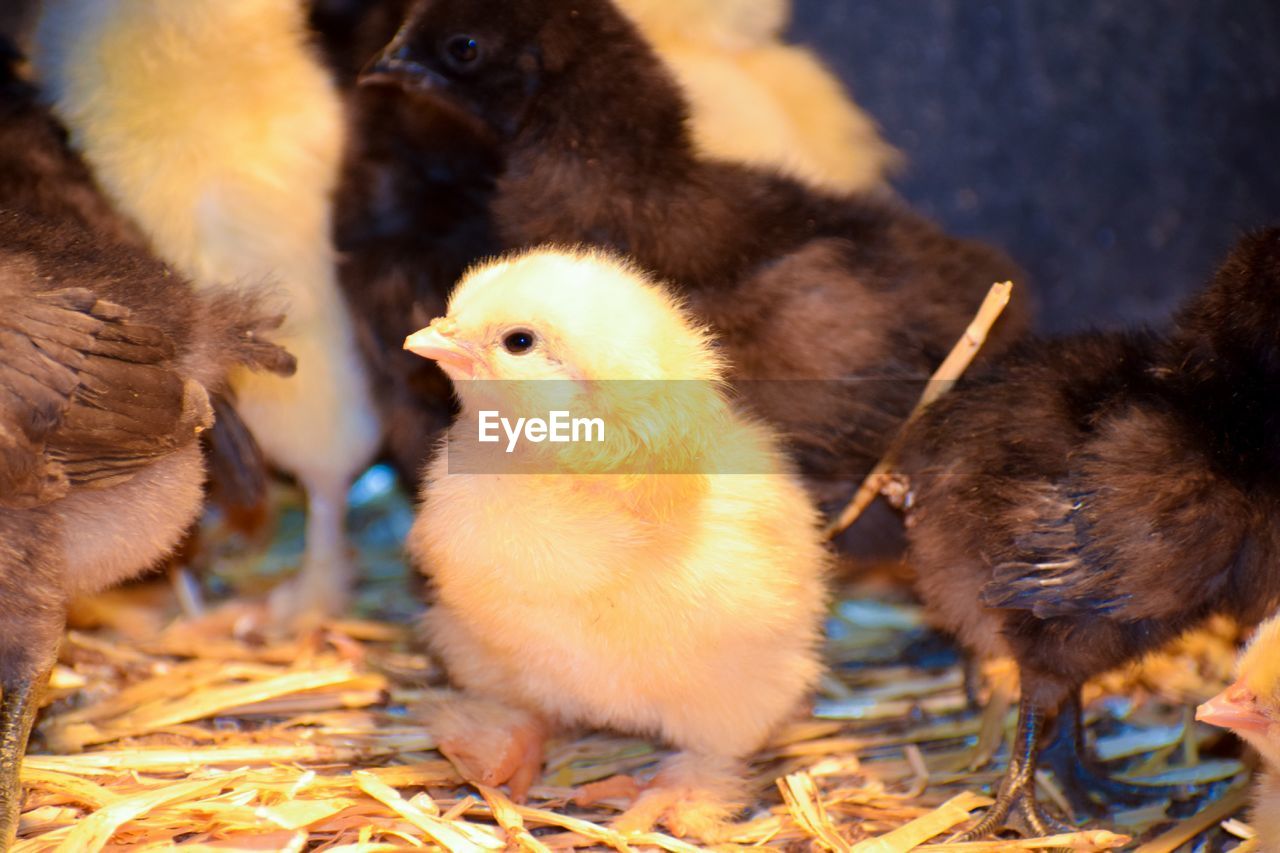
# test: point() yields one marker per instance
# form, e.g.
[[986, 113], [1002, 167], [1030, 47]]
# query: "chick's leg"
[[24, 669], [323, 586], [1018, 788], [695, 796]]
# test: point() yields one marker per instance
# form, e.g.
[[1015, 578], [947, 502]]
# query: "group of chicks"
[[257, 205]]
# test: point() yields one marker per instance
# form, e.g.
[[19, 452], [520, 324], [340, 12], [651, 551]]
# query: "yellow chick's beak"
[[437, 343], [1234, 708]]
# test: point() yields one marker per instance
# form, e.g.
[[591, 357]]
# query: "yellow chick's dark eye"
[[463, 50], [519, 342]]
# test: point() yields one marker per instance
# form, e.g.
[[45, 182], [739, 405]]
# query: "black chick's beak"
[[396, 68]]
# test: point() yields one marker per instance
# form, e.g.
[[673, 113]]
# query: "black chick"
[[411, 215], [1090, 499], [799, 284], [107, 362], [351, 32]]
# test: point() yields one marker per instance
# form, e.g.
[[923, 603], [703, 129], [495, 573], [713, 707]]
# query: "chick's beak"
[[1235, 708], [437, 343], [397, 67]]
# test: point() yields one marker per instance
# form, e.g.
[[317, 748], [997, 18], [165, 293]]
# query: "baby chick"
[[1251, 709], [754, 99], [211, 124], [668, 580], [107, 364], [846, 300], [1090, 499]]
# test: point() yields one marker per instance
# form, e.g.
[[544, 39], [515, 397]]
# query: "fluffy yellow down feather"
[[1260, 672], [685, 604], [213, 126], [757, 100], [1251, 708]]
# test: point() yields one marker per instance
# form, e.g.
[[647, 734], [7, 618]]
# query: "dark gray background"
[[1114, 147]]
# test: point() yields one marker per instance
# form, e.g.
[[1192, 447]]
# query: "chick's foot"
[[693, 796], [1081, 775], [322, 588], [488, 742], [619, 787], [1018, 789], [19, 699]]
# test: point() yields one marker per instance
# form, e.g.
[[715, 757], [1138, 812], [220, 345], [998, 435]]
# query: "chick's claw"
[[694, 796], [619, 787], [321, 590], [685, 812], [493, 758], [489, 743], [1018, 789]]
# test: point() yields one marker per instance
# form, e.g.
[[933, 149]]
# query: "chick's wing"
[[1145, 526], [87, 397]]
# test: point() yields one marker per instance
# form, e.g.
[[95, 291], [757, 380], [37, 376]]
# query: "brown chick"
[[1251, 709], [107, 363], [1090, 499], [667, 579]]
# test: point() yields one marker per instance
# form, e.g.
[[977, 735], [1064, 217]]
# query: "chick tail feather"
[[237, 468]]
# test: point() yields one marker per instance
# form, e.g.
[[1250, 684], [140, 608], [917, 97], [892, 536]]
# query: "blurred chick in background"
[[1090, 499], [1251, 709], [413, 208], [211, 124], [667, 581], [754, 99], [107, 364], [411, 215], [847, 302]]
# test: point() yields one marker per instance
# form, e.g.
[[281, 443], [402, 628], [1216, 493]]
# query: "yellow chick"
[[213, 126], [664, 576], [756, 100], [1251, 709]]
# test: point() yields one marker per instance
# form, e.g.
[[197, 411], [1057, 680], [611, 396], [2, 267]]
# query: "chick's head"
[[1236, 320], [573, 315], [488, 59], [617, 345], [1251, 706]]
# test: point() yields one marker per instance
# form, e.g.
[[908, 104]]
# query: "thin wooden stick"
[[942, 380]]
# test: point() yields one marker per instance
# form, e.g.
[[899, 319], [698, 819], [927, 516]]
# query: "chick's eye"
[[462, 50], [518, 343]]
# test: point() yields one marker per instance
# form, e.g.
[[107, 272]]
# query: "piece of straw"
[[454, 836], [93, 833], [801, 797], [942, 380], [953, 812], [1193, 826], [508, 817]]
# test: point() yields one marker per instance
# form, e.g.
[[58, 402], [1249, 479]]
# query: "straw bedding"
[[214, 733]]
